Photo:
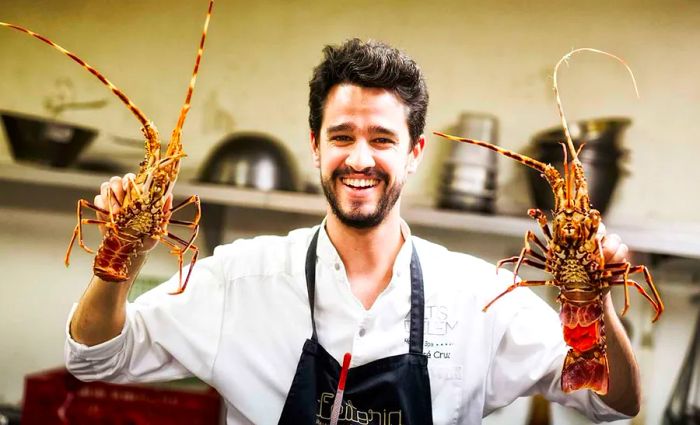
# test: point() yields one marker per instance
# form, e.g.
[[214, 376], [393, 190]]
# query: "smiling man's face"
[[363, 153]]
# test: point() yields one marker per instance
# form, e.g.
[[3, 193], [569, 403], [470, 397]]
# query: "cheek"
[[329, 162]]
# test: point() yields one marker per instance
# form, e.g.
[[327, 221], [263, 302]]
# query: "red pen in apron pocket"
[[335, 412]]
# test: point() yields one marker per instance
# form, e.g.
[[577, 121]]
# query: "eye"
[[341, 138], [384, 141]]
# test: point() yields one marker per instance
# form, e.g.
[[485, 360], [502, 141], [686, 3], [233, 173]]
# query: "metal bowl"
[[251, 160], [42, 141]]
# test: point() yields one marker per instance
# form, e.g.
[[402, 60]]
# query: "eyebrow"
[[372, 129]]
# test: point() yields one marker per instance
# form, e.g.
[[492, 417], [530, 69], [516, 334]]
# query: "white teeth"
[[361, 182]]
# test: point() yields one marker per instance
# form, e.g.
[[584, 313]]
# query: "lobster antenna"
[[532, 163], [193, 80], [567, 175], [145, 122], [565, 58]]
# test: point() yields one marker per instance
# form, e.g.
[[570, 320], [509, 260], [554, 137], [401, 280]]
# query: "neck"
[[368, 254]]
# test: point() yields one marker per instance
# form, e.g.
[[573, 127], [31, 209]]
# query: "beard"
[[354, 217]]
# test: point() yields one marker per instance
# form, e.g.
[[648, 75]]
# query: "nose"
[[360, 156]]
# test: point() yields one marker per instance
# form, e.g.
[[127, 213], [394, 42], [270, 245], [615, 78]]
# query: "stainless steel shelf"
[[679, 239]]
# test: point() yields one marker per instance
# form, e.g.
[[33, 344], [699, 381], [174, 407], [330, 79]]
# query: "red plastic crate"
[[57, 397]]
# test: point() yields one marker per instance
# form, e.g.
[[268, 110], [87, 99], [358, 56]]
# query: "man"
[[266, 321]]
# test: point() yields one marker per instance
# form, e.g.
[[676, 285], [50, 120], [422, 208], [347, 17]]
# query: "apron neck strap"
[[415, 345], [311, 258], [417, 305]]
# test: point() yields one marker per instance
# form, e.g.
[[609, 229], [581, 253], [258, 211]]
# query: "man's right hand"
[[111, 198]]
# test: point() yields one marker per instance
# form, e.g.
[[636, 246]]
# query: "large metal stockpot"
[[601, 156]]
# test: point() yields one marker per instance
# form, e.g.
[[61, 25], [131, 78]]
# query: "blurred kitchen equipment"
[[47, 142], [10, 415], [246, 160], [684, 406], [252, 160], [469, 176], [57, 397], [601, 158]]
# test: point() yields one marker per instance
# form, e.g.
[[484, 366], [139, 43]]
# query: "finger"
[[100, 204], [611, 245], [168, 202], [601, 231], [117, 195], [128, 177], [621, 254], [102, 201]]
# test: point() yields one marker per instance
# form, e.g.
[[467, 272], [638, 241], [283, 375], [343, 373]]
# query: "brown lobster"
[[573, 255], [141, 213]]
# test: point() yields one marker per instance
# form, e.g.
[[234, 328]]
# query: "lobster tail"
[[587, 370], [585, 366]]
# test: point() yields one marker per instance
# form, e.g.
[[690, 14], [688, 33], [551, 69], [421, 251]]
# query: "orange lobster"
[[141, 213], [573, 255]]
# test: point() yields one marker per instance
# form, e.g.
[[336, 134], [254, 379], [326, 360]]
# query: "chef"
[[268, 321]]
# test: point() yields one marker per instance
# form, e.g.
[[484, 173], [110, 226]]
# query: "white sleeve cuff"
[[603, 412], [102, 351]]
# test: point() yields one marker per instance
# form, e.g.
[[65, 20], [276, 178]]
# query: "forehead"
[[363, 107]]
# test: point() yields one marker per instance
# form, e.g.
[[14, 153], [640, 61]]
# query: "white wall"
[[494, 56]]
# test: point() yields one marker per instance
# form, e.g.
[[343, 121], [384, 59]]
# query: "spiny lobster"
[[141, 213], [573, 255]]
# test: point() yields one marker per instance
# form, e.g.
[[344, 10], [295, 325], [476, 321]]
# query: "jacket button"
[[361, 332]]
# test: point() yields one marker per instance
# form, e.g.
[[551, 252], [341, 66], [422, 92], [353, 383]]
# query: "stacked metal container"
[[469, 176]]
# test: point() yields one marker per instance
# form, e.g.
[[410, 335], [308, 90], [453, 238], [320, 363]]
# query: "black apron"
[[393, 390]]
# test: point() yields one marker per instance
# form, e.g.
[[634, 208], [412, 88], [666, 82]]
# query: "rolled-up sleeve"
[[164, 336]]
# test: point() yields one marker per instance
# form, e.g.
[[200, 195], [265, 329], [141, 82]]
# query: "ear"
[[315, 150], [416, 154]]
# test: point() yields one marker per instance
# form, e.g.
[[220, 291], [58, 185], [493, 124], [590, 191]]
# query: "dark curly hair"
[[370, 64]]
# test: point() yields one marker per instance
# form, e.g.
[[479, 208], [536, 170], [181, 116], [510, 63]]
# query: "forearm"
[[101, 311], [624, 392]]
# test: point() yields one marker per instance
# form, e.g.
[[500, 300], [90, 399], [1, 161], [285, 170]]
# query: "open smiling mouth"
[[360, 183]]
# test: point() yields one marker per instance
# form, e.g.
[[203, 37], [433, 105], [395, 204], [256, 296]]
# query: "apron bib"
[[390, 391]]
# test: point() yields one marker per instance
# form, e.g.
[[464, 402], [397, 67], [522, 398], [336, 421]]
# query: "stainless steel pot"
[[251, 160], [246, 160], [601, 157], [469, 176]]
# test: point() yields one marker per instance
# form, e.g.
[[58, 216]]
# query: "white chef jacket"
[[241, 324]]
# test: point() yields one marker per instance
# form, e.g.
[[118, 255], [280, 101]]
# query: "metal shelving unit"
[[677, 239]]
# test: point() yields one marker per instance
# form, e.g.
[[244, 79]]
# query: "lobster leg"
[[529, 236], [518, 284], [180, 247], [647, 277], [514, 259], [194, 199], [639, 288], [78, 231], [541, 218], [621, 265]]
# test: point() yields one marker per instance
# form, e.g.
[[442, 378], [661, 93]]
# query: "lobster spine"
[[586, 363]]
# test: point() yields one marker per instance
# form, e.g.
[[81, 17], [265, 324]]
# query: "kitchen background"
[[492, 57]]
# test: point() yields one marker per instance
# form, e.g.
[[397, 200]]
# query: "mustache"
[[370, 173]]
